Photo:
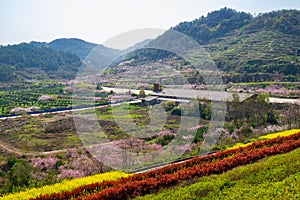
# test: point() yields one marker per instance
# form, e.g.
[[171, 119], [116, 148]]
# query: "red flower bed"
[[150, 182]]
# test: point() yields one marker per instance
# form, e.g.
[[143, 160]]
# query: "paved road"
[[64, 111], [281, 100]]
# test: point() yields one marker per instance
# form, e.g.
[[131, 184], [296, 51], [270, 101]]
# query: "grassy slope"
[[276, 177]]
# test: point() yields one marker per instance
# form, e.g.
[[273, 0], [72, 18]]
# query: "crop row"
[[149, 182]]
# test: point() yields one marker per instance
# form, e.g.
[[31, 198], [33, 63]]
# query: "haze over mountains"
[[244, 48], [79, 47]]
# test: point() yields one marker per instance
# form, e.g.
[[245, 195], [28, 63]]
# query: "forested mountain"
[[33, 62], [216, 24], [284, 21], [244, 48], [79, 47], [59, 59]]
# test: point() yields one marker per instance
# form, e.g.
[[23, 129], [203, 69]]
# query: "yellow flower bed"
[[269, 136], [65, 185], [237, 145], [280, 134]]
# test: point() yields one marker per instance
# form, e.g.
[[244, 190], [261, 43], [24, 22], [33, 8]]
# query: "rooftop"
[[149, 98]]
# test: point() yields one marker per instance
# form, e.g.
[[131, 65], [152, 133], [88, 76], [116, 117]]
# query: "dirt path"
[[9, 148]]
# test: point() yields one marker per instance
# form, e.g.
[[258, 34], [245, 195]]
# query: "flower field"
[[280, 134], [172, 175], [269, 136], [65, 185]]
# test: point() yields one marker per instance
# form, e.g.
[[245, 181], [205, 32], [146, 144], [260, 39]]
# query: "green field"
[[27, 94]]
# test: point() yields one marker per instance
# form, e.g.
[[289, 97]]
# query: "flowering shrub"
[[20, 110], [70, 173], [271, 89], [143, 86], [155, 147], [76, 163], [195, 128], [194, 86], [274, 128], [165, 133], [44, 163], [79, 164], [46, 98], [186, 148]]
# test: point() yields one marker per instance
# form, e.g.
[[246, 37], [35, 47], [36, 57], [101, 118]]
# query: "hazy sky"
[[98, 20]]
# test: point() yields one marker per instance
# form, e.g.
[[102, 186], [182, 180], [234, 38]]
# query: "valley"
[[218, 120]]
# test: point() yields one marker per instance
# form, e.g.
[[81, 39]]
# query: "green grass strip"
[[275, 177]]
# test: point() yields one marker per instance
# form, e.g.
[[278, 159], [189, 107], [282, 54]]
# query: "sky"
[[99, 20]]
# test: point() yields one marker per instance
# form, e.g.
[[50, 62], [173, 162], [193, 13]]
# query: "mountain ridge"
[[26, 61], [75, 45], [244, 48]]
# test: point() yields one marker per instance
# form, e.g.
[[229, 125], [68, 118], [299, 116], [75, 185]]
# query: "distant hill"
[[59, 59], [26, 61], [244, 48], [98, 54], [77, 46], [124, 54]]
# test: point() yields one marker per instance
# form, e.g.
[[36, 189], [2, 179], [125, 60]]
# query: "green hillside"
[[25, 61], [260, 56], [215, 25], [244, 48], [77, 46], [94, 54]]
